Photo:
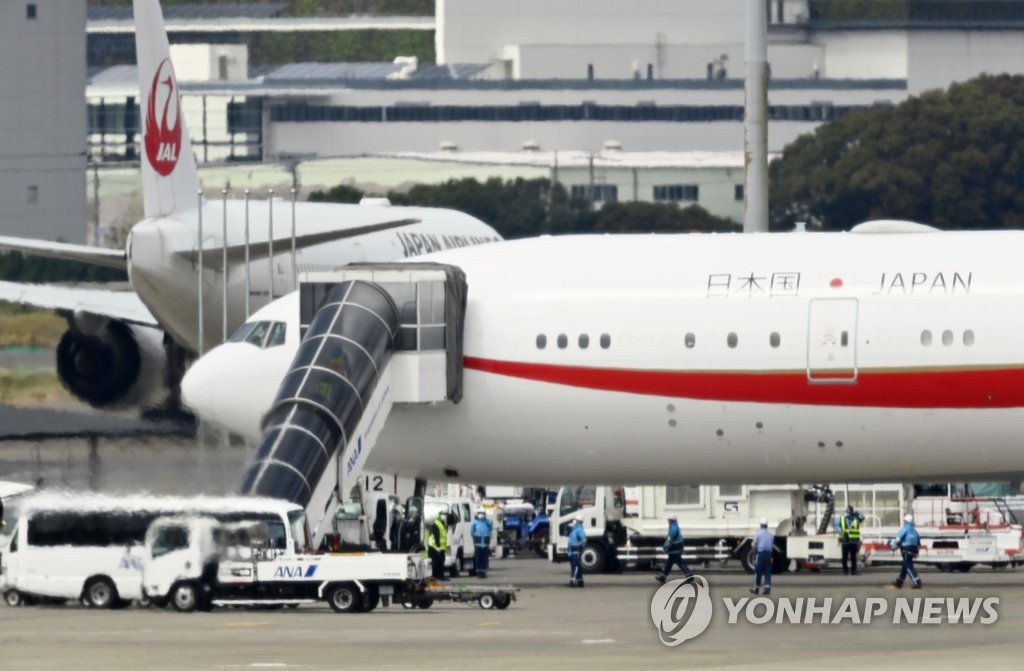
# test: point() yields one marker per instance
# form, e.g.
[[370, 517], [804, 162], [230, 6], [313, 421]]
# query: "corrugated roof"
[[322, 71]]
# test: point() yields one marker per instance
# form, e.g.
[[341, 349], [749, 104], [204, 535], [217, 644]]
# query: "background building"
[[42, 122]]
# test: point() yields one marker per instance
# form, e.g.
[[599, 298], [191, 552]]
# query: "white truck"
[[958, 531], [626, 527], [195, 563]]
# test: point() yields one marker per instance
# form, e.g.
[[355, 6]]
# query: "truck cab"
[[458, 513]]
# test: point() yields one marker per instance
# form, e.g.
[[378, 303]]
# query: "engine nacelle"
[[113, 365]]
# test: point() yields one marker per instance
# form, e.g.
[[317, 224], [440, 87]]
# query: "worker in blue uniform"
[[480, 530], [673, 546], [909, 543], [577, 540], [764, 542]]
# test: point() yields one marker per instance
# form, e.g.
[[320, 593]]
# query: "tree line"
[[953, 159], [521, 208]]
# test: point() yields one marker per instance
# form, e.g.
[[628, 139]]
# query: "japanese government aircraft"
[[126, 349], [891, 352]]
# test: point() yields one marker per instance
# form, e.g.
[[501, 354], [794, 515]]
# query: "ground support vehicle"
[[487, 596], [627, 530], [63, 546], [195, 563]]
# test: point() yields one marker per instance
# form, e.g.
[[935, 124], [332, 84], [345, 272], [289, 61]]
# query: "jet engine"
[[110, 364]]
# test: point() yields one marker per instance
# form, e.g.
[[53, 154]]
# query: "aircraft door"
[[832, 340]]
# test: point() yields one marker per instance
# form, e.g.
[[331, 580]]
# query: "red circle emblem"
[[162, 139]]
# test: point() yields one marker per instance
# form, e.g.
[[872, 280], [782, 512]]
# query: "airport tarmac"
[[607, 625]]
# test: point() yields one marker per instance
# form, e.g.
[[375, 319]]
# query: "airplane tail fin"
[[170, 180]]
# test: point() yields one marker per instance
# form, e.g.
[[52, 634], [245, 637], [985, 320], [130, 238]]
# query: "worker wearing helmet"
[[577, 540], [480, 530], [909, 543], [674, 547], [437, 546], [764, 542], [848, 526]]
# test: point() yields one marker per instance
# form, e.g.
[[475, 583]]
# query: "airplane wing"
[[123, 305], [98, 256], [212, 256]]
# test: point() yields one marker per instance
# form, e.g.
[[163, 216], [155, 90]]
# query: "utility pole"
[[755, 126]]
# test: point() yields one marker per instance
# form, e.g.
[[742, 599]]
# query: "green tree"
[[522, 208], [342, 193], [953, 159]]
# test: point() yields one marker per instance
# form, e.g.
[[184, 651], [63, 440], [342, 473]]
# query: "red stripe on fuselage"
[[924, 388]]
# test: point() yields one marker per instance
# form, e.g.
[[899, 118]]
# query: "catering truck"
[[626, 527]]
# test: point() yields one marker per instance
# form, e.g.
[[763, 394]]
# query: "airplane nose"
[[200, 388]]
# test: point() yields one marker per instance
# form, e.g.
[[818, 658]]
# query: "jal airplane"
[[126, 349], [892, 352]]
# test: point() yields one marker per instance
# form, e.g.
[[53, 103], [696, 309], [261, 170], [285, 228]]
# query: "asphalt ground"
[[606, 625]]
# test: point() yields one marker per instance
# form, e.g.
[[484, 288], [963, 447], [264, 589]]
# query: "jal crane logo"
[[163, 134], [681, 610]]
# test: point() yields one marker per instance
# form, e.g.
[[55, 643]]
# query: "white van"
[[90, 546]]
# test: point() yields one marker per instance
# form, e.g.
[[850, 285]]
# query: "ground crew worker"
[[577, 539], [674, 547], [437, 546], [764, 541], [480, 530], [909, 543], [848, 526]]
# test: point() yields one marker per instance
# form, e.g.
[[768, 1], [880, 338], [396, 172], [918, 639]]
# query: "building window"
[[603, 193], [676, 192], [30, 11], [606, 193], [33, 193], [682, 495], [737, 192], [730, 490]]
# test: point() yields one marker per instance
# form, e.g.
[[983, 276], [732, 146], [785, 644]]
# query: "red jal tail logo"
[[163, 141]]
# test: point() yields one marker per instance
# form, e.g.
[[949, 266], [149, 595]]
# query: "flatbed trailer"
[[486, 596]]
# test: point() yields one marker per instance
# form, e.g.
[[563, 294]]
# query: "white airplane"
[[114, 353], [889, 353]]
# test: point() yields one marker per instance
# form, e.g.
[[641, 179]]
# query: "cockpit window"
[[277, 333], [257, 333], [242, 332]]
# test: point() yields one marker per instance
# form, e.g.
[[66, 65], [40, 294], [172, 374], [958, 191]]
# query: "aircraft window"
[[255, 336], [732, 340], [947, 338], [774, 339], [563, 341], [542, 341], [690, 340], [606, 341], [584, 341], [844, 338], [242, 332], [926, 338], [968, 337], [277, 334]]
